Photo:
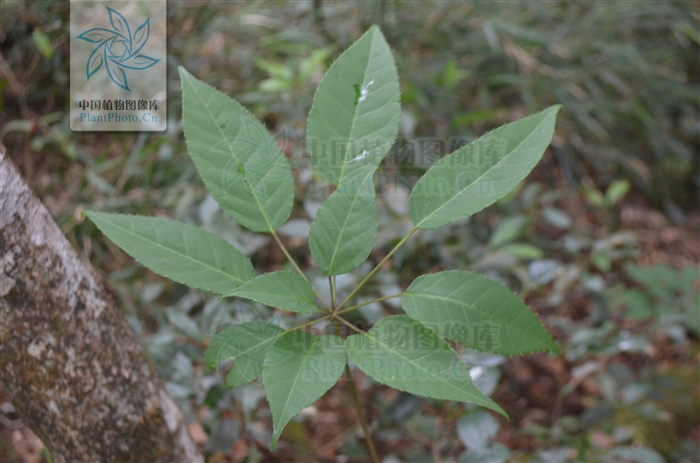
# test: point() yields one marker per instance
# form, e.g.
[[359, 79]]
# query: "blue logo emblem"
[[117, 49]]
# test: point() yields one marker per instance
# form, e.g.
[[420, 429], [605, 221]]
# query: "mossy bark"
[[70, 364]]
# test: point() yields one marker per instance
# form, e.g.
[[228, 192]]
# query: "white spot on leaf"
[[364, 91]]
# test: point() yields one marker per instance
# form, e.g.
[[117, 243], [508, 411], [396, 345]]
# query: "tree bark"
[[70, 364]]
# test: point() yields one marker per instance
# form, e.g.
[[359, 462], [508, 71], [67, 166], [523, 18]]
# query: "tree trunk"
[[71, 366]]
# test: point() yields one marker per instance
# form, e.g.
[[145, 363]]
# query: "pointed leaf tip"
[[239, 161], [299, 368], [402, 353], [178, 251], [355, 114], [482, 172]]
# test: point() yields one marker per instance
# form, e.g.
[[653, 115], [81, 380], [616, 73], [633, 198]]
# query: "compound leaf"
[[344, 230], [355, 114], [284, 290], [299, 368], [246, 344], [238, 160], [401, 353], [476, 311], [181, 252], [482, 172]]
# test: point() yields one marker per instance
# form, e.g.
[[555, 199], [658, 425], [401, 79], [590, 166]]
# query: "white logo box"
[[118, 78]]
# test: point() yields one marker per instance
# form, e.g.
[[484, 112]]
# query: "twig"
[[312, 322], [331, 285], [345, 322], [361, 416]]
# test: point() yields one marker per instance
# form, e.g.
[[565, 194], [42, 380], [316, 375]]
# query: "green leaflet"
[[355, 114], [401, 353], [283, 290], [181, 252], [508, 229], [479, 174], [522, 251], [476, 311], [246, 344], [344, 230], [299, 368], [240, 163]]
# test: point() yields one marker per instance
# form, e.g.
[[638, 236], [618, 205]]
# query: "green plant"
[[284, 78], [666, 295], [352, 124]]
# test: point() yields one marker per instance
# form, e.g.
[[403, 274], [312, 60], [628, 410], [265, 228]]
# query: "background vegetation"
[[601, 240]]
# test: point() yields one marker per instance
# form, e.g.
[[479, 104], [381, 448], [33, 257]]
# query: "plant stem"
[[374, 270], [328, 323], [361, 416], [380, 299], [331, 285], [296, 267], [355, 398], [347, 323], [312, 322]]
